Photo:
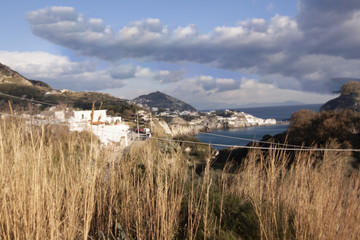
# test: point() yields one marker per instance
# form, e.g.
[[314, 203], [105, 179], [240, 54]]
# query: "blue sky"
[[211, 54]]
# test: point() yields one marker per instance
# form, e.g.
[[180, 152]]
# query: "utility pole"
[[11, 110], [92, 112], [150, 123], [137, 123]]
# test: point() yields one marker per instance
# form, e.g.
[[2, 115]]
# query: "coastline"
[[239, 136], [177, 126]]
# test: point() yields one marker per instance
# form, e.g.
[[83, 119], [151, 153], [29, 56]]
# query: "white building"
[[112, 133], [108, 129], [59, 116], [85, 116]]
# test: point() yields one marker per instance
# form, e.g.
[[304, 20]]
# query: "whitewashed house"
[[112, 133], [59, 116], [108, 129], [85, 116]]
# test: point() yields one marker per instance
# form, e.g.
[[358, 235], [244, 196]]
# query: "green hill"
[[162, 101]]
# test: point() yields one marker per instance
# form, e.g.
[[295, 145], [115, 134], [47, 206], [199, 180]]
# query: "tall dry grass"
[[60, 185], [311, 199], [57, 185], [49, 183]]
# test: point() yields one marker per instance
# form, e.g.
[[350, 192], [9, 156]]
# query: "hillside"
[[349, 98], [162, 101], [9, 76], [13, 83]]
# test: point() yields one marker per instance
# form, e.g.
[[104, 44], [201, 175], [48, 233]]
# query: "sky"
[[211, 54]]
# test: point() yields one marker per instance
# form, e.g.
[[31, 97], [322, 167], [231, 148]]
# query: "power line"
[[26, 99], [253, 140], [298, 148], [34, 119], [207, 144], [261, 148], [57, 123]]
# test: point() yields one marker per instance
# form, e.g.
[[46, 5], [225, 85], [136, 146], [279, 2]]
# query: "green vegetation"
[[311, 128], [28, 92], [351, 88], [349, 98], [194, 152]]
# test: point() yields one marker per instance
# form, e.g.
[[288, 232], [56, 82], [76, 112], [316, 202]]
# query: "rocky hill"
[[13, 83], [349, 98], [162, 101], [9, 76]]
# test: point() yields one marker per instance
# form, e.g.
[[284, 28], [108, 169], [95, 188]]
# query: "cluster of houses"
[[110, 129], [235, 119], [250, 119], [172, 113]]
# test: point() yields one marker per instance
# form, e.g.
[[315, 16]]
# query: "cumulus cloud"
[[165, 76], [121, 71], [331, 27], [150, 38], [251, 91], [44, 65], [59, 71], [127, 71], [186, 32], [124, 71], [312, 72], [303, 53], [211, 85]]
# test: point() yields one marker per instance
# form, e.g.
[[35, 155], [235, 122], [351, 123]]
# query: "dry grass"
[[68, 187], [309, 200], [57, 185]]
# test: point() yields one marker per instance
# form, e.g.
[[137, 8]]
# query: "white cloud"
[[303, 53], [186, 32], [61, 72], [331, 27], [143, 32], [165, 76], [122, 71], [251, 91], [127, 71], [151, 39], [209, 85], [204, 91], [143, 72], [42, 65]]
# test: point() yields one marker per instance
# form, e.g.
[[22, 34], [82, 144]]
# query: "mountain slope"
[[349, 98], [162, 101], [13, 83], [9, 76]]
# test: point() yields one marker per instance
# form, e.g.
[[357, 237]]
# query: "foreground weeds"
[[60, 185], [305, 200]]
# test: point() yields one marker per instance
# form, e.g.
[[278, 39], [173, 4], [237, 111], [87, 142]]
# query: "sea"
[[242, 136]]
